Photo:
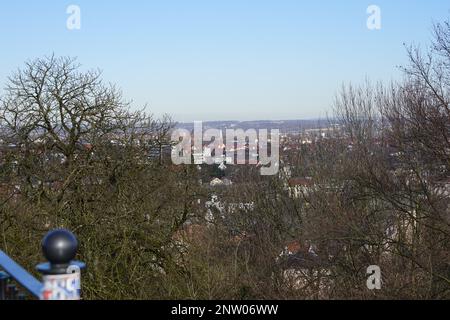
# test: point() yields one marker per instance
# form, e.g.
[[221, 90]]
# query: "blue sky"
[[227, 59]]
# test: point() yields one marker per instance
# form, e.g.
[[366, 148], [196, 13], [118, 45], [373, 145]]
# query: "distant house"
[[303, 269], [216, 208], [300, 186], [442, 187], [216, 182], [227, 182]]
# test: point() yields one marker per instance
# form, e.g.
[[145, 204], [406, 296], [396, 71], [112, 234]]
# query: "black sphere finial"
[[59, 247]]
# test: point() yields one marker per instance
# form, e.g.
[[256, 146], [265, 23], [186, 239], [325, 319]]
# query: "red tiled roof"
[[293, 247], [300, 182]]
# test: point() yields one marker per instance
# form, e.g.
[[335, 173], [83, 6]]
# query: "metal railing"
[[61, 274]]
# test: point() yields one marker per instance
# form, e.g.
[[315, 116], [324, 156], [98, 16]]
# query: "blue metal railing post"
[[61, 275]]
